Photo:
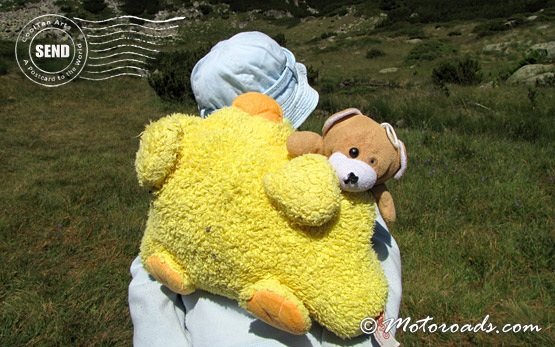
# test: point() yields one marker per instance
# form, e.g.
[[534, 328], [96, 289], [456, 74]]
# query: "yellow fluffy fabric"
[[233, 211]]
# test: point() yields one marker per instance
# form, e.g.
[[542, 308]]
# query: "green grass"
[[72, 213], [476, 234], [476, 227], [475, 209]]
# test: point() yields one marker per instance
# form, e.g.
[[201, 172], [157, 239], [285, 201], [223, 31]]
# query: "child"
[[249, 61]]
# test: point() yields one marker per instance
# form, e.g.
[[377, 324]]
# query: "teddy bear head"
[[363, 152]]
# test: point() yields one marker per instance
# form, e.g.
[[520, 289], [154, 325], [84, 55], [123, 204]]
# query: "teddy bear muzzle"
[[354, 175]]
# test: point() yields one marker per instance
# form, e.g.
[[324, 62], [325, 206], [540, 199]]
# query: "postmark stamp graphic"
[[51, 50]]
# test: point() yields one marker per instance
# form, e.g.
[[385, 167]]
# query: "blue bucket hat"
[[253, 62]]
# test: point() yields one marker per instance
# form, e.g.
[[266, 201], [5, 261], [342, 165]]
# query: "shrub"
[[286, 22], [374, 53], [340, 12], [329, 8], [94, 6], [170, 74], [489, 28], [465, 72], [313, 75], [430, 11], [205, 9], [140, 7], [454, 33], [279, 5], [280, 38], [429, 50], [535, 5], [399, 13], [496, 26], [3, 68], [6, 49], [387, 5], [537, 56], [331, 103], [413, 32]]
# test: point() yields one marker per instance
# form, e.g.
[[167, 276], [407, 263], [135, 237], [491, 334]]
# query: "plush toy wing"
[[306, 189], [159, 148]]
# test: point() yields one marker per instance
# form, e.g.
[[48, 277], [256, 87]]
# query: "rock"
[[547, 47], [511, 23], [389, 70], [277, 14], [533, 74], [547, 78], [531, 18], [496, 47], [488, 85], [414, 41], [312, 11], [372, 22], [113, 5]]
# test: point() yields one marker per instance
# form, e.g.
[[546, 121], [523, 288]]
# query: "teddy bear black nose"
[[351, 179]]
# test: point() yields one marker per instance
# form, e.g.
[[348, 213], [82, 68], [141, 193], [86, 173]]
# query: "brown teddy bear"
[[364, 154]]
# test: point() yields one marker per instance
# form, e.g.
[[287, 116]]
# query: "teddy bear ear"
[[403, 157], [399, 146], [336, 117]]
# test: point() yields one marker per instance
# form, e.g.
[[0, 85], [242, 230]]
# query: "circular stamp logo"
[[51, 50]]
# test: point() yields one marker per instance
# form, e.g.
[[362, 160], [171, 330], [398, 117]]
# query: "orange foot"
[[276, 305], [166, 271]]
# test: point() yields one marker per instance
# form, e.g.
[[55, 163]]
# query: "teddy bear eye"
[[373, 161], [353, 152]]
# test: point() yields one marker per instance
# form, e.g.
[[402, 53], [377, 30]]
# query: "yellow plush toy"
[[235, 215]]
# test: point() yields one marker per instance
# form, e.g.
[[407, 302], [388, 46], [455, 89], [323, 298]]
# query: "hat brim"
[[306, 99], [303, 100]]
